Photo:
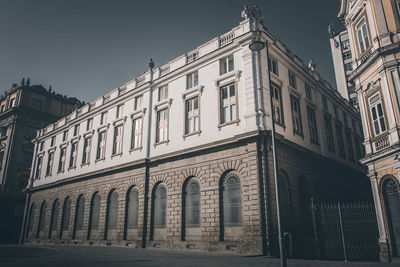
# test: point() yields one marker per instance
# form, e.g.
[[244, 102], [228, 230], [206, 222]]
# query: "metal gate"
[[346, 231]]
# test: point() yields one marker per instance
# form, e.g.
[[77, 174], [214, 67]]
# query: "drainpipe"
[[147, 159]]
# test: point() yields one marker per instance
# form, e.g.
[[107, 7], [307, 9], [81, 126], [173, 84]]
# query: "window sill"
[[72, 168], [85, 164], [59, 172], [162, 142], [228, 123], [135, 149], [299, 134], [190, 134], [99, 159], [116, 155]]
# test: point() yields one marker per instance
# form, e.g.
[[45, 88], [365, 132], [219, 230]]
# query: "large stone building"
[[373, 28], [180, 157], [24, 109]]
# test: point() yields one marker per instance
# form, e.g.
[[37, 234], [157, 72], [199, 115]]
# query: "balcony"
[[382, 143]]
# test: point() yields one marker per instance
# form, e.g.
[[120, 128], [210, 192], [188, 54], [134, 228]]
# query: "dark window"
[[339, 135], [31, 219], [349, 145], [329, 133], [192, 204], [276, 94], [42, 218], [312, 125], [160, 207], [231, 201], [132, 202], [80, 212], [54, 215], [112, 210], [296, 115], [66, 214], [95, 212]]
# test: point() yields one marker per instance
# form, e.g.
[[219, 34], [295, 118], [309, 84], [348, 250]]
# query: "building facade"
[[180, 157], [373, 28], [24, 109], [343, 65]]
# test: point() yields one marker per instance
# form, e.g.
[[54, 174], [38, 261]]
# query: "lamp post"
[[257, 46]]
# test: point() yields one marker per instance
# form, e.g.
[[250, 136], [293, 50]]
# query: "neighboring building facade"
[[24, 109], [180, 157], [343, 65], [373, 27]]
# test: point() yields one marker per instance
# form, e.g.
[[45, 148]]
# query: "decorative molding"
[[228, 75]]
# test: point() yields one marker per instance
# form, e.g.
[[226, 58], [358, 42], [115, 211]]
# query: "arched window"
[[192, 204], [285, 203], [160, 207], [392, 205], [80, 212], [112, 210], [31, 219], [95, 212], [66, 214], [132, 207], [54, 217], [231, 201], [42, 218]]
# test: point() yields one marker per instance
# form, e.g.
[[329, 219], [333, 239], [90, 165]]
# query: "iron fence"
[[346, 231]]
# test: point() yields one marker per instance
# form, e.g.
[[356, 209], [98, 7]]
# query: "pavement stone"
[[90, 256]]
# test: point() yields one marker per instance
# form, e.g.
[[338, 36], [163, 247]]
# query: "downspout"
[[147, 159]]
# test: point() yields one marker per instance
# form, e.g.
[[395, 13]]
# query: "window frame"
[[118, 139], [101, 145], [50, 160], [312, 125], [87, 147], [73, 155], [165, 124], [162, 92], [225, 66], [193, 114], [273, 66], [221, 105], [292, 79], [380, 118], [62, 159], [193, 77], [274, 89], [134, 133], [296, 116], [192, 212], [357, 28]]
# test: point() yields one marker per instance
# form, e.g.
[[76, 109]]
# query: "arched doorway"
[[392, 206]]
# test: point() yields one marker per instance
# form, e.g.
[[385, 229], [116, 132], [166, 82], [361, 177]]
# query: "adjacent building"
[[343, 65], [24, 109], [373, 28], [180, 157]]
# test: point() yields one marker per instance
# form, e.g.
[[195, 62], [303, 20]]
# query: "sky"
[[86, 48]]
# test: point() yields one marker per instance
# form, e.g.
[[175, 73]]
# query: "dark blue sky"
[[87, 48]]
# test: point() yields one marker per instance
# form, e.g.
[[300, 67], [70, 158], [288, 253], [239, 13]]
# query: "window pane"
[[80, 211], [232, 90], [66, 214], [113, 210], [160, 204], [230, 62], [95, 212], [133, 205], [192, 205], [232, 201]]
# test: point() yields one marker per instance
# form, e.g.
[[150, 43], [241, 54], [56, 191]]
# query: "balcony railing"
[[382, 143], [226, 39]]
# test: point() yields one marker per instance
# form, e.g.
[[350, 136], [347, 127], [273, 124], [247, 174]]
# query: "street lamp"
[[257, 46]]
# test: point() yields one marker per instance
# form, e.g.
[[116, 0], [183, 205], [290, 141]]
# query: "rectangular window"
[[348, 66], [226, 65], [324, 102], [312, 124], [117, 144], [296, 115], [39, 166], [76, 129], [292, 80], [329, 133], [162, 125], [103, 118], [273, 66], [74, 152], [137, 126], [52, 141], [339, 136], [349, 145], [276, 94], [41, 146], [192, 80], [50, 163], [346, 44], [377, 114], [357, 143], [346, 55], [308, 92], [163, 92], [89, 124], [12, 102], [61, 162], [192, 115], [228, 107], [362, 35], [65, 135], [138, 102], [101, 145], [120, 110], [87, 143]]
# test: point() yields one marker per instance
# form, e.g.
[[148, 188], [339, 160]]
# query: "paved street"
[[121, 256]]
